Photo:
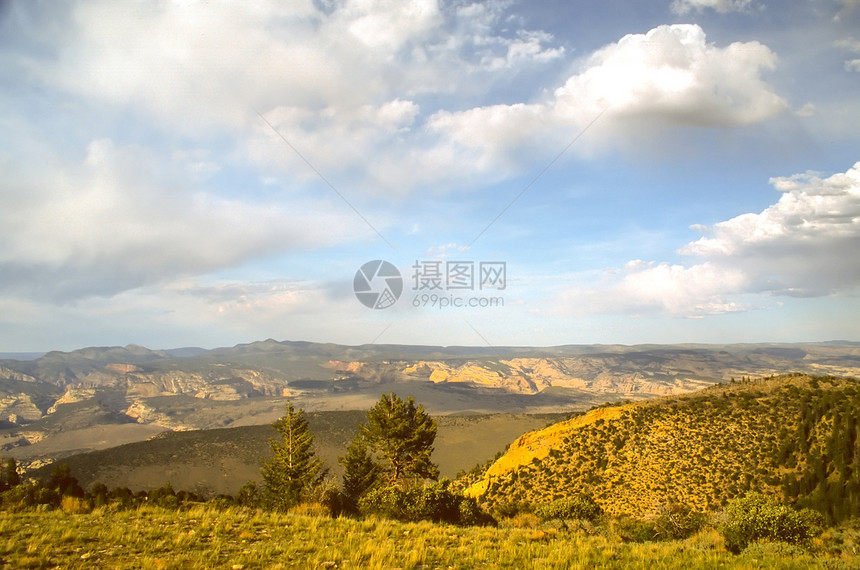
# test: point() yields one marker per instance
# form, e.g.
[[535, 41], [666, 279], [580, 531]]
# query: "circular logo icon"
[[377, 284]]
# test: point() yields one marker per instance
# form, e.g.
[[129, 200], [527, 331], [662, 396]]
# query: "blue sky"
[[210, 173]]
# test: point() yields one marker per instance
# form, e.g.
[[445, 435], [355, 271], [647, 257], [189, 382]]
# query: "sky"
[[208, 173]]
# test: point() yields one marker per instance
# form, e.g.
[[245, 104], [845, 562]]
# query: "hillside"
[[795, 436], [216, 461]]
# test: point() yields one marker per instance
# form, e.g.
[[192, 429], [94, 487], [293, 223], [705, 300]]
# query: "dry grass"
[[207, 538]]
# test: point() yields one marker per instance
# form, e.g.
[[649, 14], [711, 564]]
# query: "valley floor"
[[204, 537]]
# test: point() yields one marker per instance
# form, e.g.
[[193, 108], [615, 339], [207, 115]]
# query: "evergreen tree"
[[10, 478], [401, 434], [64, 483], [294, 468], [360, 472]]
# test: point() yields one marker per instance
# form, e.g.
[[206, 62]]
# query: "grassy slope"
[[205, 538], [700, 450]]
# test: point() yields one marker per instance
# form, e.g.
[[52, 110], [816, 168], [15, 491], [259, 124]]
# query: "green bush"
[[581, 507], [756, 517], [472, 515], [433, 502], [248, 495], [510, 509], [635, 530]]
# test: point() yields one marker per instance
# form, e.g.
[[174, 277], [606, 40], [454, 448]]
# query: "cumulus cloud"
[[355, 84], [125, 218], [668, 77], [803, 245], [721, 6], [672, 74]]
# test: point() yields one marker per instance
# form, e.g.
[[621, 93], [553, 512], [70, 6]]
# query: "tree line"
[[387, 469]]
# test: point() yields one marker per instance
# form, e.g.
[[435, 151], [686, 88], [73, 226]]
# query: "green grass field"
[[206, 537]]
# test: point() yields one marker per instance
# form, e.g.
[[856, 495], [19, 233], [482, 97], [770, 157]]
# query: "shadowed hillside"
[[221, 460]]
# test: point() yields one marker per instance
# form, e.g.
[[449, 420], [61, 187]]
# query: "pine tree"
[[12, 477], [401, 435], [360, 472], [294, 468]]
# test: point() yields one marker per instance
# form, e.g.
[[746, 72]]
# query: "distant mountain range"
[[63, 402]]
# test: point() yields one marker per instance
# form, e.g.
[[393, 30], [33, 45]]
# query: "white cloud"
[[204, 65], [668, 77], [446, 250], [391, 24], [346, 84], [341, 82], [804, 245], [641, 289], [721, 6], [672, 75], [852, 45], [123, 218]]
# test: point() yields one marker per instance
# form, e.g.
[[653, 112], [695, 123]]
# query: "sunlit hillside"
[[793, 436]]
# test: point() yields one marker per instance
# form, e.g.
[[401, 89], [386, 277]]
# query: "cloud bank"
[[122, 219]]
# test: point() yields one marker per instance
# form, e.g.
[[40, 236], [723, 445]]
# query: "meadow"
[[205, 536]]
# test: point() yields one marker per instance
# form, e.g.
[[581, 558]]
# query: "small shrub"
[[75, 505], [437, 503], [386, 502], [525, 520], [773, 550], [678, 521], [48, 497], [472, 515], [164, 497], [338, 503], [434, 502], [756, 517], [707, 539], [581, 507], [248, 495], [510, 509], [635, 530]]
